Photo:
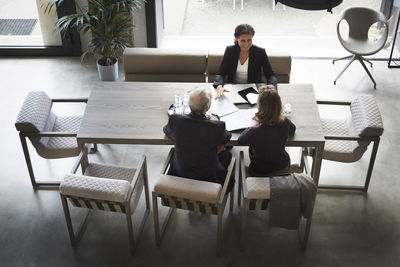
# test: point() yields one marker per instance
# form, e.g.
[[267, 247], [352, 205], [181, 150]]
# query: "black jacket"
[[258, 61], [196, 139]]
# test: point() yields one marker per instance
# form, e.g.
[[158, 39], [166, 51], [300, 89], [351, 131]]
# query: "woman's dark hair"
[[243, 29], [269, 108]]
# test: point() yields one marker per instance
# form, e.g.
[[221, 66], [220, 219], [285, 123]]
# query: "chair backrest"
[[164, 64], [34, 113], [365, 116], [360, 20]]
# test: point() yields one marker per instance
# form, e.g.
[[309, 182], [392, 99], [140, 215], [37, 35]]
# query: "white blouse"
[[241, 72]]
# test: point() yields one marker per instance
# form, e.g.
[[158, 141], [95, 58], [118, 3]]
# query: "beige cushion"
[[164, 61], [34, 112], [258, 187], [162, 77], [188, 188], [95, 188], [341, 150], [214, 60], [281, 61], [110, 171], [118, 173], [366, 117], [60, 147]]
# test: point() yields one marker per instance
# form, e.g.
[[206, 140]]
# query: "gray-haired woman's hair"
[[243, 29], [200, 100]]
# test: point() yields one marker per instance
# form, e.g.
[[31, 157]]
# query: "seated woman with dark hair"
[[244, 62], [268, 137]]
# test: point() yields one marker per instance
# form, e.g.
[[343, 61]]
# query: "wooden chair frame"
[[374, 139], [141, 173], [303, 234], [22, 135], [220, 205]]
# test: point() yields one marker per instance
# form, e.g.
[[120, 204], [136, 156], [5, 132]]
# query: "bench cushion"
[[164, 64], [188, 188]]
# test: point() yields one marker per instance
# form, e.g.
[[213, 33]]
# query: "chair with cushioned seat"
[[107, 188], [358, 42], [347, 140], [256, 193], [193, 195], [52, 136]]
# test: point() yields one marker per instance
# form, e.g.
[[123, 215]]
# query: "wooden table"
[[135, 113]]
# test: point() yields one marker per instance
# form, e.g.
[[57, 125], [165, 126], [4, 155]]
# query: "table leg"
[[317, 161]]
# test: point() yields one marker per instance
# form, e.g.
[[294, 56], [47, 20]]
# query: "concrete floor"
[[348, 229]]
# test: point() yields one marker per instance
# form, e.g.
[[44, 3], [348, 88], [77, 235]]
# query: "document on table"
[[222, 106], [234, 89], [252, 97], [239, 120]]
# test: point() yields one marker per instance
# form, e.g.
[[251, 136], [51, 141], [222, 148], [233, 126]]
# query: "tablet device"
[[249, 94]]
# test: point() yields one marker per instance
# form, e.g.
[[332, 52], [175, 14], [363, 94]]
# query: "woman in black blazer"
[[243, 53]]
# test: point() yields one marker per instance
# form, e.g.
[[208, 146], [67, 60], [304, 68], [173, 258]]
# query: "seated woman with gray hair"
[[199, 142]]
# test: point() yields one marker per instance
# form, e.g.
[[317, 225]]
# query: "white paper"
[[233, 95], [222, 106], [234, 89], [240, 119], [252, 97]]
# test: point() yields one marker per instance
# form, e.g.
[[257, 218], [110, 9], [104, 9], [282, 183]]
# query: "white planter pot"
[[108, 73]]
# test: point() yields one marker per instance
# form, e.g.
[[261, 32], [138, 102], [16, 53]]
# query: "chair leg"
[[94, 148], [159, 234], [156, 221], [146, 186], [348, 64], [240, 187], [231, 202], [131, 235], [341, 58], [371, 164], [74, 237], [28, 159], [245, 208], [304, 238], [219, 231], [132, 243], [240, 192], [68, 219], [366, 69], [35, 184], [302, 160], [363, 58]]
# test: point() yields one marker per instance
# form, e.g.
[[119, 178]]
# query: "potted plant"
[[109, 22]]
